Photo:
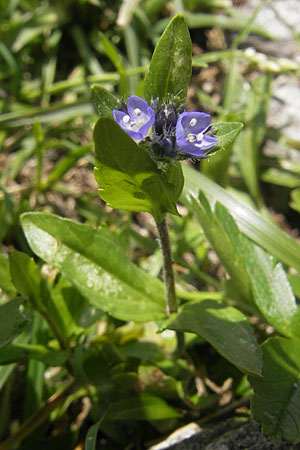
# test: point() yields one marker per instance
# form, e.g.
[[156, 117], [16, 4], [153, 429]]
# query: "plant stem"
[[38, 417], [168, 273], [169, 279]]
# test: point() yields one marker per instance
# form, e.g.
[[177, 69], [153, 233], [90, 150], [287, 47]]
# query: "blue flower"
[[190, 134], [138, 118]]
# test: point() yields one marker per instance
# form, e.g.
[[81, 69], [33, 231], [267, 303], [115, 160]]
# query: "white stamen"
[[137, 111], [200, 137], [191, 137], [126, 119], [193, 122]]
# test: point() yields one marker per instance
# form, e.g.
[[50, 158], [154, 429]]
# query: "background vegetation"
[[65, 363]]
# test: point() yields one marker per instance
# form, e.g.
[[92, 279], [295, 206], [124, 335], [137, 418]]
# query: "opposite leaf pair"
[[174, 133]]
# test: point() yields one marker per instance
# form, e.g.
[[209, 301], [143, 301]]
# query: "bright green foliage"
[[104, 101], [225, 328], [128, 177], [276, 400], [224, 236], [96, 264], [251, 269], [226, 132], [171, 65], [250, 222], [13, 321]]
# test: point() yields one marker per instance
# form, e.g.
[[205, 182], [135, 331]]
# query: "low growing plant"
[[130, 344]]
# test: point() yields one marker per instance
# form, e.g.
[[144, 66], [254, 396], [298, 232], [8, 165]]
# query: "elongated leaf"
[[25, 276], [96, 264], [272, 292], [12, 321], [276, 395], [225, 243], [5, 280], [91, 437], [251, 269], [22, 352], [171, 65], [128, 177], [225, 328], [104, 101], [249, 221], [144, 407]]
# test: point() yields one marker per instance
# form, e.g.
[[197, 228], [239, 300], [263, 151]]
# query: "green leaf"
[[5, 280], [225, 132], [12, 321], [272, 292], [250, 222], [128, 177], [277, 394], [25, 276], [94, 261], [91, 437], [225, 328], [223, 234], [22, 352], [64, 304], [171, 65], [143, 407], [251, 269], [104, 101]]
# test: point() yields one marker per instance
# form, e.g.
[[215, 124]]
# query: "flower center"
[[195, 139]]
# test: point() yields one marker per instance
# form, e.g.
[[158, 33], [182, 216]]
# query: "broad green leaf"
[[251, 269], [225, 132], [128, 177], [96, 264], [277, 394], [272, 292], [250, 222], [12, 321], [143, 407], [104, 101], [5, 281], [25, 276], [225, 328], [171, 65], [22, 352], [223, 234]]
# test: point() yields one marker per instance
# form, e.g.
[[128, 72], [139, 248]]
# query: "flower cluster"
[[174, 133]]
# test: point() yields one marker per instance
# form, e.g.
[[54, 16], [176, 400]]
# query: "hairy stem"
[[167, 266]]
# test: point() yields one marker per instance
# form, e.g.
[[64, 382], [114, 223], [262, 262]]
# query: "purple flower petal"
[[138, 120], [190, 133]]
